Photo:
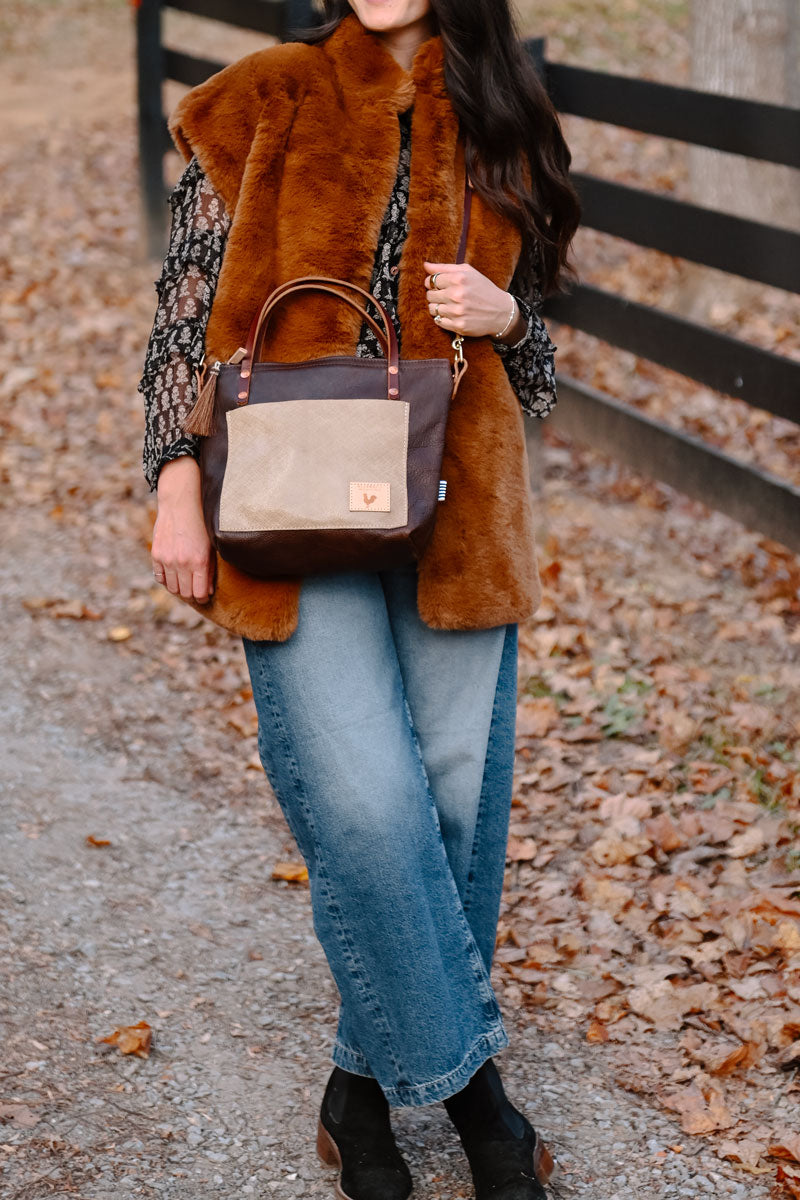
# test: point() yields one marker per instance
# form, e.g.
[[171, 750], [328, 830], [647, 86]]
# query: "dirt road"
[[126, 720]]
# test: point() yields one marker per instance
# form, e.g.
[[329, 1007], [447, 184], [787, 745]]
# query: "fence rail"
[[267, 16], [736, 245], [745, 248], [754, 497], [726, 364], [749, 127]]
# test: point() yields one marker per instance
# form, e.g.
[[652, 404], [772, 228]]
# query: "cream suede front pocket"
[[291, 465]]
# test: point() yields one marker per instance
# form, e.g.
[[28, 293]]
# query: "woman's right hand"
[[183, 558]]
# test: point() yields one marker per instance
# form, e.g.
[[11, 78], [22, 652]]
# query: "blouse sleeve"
[[185, 289], [530, 362]]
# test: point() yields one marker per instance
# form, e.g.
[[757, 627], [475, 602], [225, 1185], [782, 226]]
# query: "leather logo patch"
[[369, 497]]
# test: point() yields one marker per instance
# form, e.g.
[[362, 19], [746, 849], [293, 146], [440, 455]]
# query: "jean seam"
[[353, 1056], [482, 979], [483, 801]]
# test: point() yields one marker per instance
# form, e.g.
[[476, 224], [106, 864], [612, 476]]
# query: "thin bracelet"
[[510, 320]]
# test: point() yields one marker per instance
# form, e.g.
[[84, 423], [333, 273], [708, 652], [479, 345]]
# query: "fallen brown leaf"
[[789, 1183], [56, 606], [743, 1150], [748, 842], [789, 1058], [131, 1039], [535, 718], [665, 1005], [786, 1145], [700, 1111], [17, 1114], [520, 849], [610, 851], [741, 1056], [292, 872]]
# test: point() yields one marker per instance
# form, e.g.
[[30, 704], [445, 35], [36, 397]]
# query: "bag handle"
[[320, 283], [316, 283], [387, 336]]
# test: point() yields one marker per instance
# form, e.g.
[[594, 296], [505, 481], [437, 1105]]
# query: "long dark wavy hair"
[[507, 120]]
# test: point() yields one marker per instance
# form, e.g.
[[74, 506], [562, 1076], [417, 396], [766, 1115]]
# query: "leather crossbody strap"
[[462, 245], [386, 336]]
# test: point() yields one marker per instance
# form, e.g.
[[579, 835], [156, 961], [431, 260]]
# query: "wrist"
[[509, 315], [516, 332], [178, 479]]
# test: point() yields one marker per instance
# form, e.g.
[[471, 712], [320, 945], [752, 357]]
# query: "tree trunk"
[[746, 48], [751, 49]]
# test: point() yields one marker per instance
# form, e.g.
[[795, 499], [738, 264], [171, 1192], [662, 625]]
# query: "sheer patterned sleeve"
[[530, 362], [185, 289]]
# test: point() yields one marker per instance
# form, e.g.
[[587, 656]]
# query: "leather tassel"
[[200, 419]]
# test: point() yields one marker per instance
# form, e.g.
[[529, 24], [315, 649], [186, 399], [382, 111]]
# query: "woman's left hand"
[[467, 302]]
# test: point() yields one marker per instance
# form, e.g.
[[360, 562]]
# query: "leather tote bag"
[[329, 464]]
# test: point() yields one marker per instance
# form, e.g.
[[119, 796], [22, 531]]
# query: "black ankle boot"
[[355, 1135], [507, 1158]]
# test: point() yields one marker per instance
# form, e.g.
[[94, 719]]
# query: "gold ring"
[[434, 284], [437, 311]]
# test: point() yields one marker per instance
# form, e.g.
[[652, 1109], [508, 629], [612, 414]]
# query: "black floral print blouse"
[[186, 287]]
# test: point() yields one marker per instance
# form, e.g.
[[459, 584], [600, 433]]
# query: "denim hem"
[[407, 1095], [350, 1060]]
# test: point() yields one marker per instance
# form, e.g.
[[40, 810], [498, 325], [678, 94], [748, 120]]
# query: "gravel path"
[[179, 923]]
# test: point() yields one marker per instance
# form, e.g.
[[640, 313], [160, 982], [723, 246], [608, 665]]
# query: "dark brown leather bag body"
[[425, 386], [332, 464]]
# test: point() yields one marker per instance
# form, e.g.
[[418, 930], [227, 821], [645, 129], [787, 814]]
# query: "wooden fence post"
[[537, 48], [149, 76], [299, 15]]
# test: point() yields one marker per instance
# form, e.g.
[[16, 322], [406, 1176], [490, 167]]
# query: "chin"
[[379, 16]]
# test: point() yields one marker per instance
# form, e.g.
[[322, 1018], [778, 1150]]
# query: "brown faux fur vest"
[[302, 143]]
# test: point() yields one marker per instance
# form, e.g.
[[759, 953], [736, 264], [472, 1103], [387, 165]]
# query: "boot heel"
[[544, 1166], [326, 1147]]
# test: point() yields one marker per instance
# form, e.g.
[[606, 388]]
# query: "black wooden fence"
[[748, 249], [156, 63], [744, 248]]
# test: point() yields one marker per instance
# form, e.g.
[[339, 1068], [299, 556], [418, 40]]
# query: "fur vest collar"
[[302, 143]]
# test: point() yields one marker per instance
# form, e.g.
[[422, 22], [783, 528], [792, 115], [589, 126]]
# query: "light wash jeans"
[[390, 748]]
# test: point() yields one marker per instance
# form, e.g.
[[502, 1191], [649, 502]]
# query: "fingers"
[[447, 275], [183, 557], [201, 585], [190, 582], [448, 299], [454, 326], [441, 308], [171, 580], [185, 576]]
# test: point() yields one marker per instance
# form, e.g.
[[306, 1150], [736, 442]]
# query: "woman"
[[386, 700]]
